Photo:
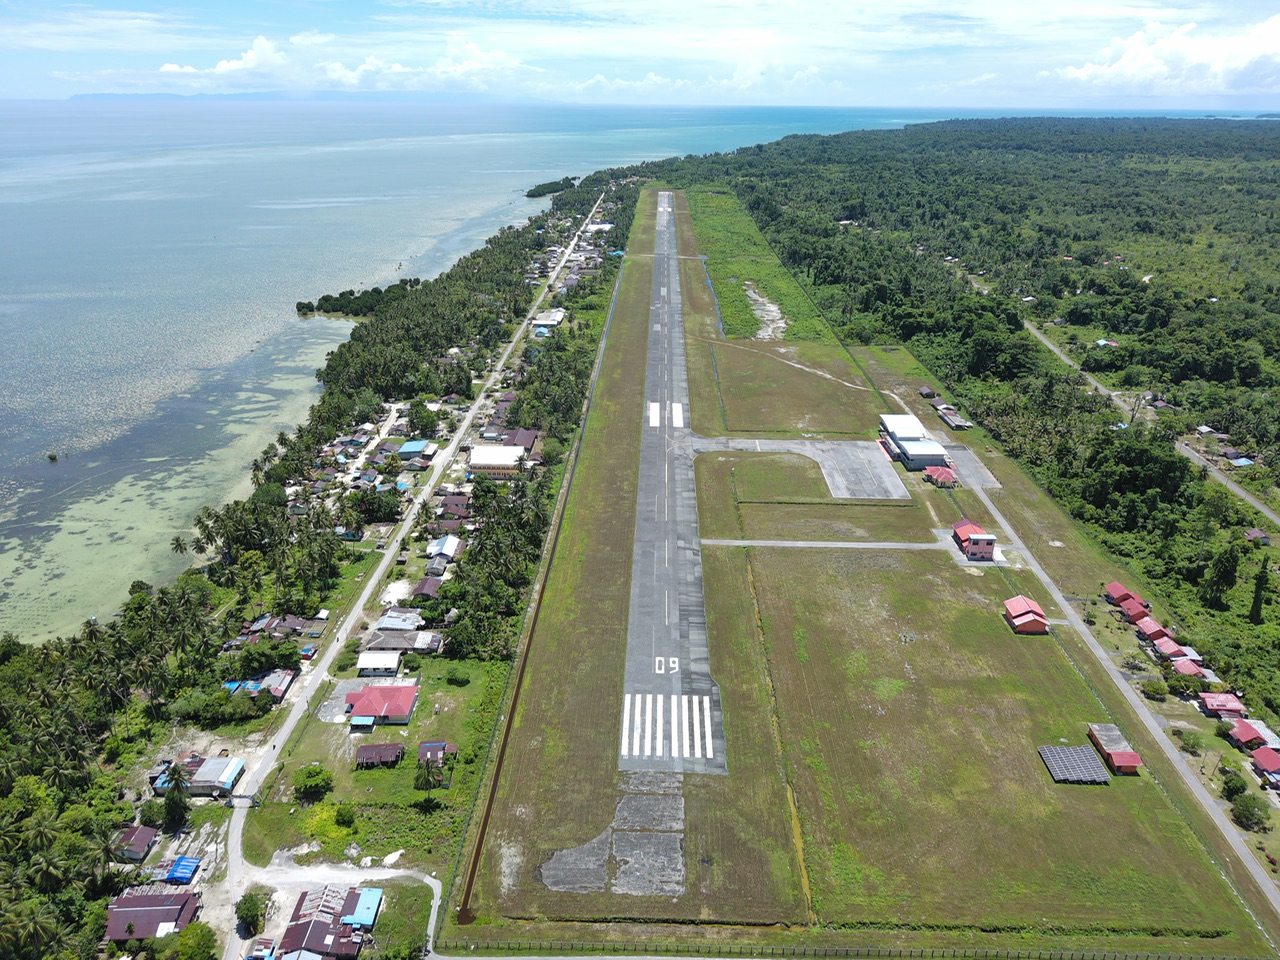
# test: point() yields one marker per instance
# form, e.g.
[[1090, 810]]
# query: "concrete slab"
[[853, 469], [971, 470]]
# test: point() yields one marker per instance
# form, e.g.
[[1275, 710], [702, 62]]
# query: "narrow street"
[[239, 875]]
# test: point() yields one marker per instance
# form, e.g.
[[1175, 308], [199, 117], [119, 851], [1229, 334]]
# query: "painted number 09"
[[667, 665]]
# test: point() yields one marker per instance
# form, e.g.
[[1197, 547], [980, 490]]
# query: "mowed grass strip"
[[559, 782], [914, 763]]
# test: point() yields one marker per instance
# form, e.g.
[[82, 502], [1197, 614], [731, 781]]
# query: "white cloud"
[[466, 60], [1188, 60], [174, 68], [263, 55], [87, 30]]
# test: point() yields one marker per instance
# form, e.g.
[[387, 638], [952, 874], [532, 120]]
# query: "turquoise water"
[[154, 250]]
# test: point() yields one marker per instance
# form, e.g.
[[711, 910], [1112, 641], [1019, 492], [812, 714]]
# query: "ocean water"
[[153, 254]]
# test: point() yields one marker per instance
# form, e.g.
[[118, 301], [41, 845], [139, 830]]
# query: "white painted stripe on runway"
[[697, 731], [635, 736], [684, 723], [706, 719], [675, 728], [664, 291], [655, 415], [648, 724], [659, 743], [626, 722], [657, 326], [677, 415]]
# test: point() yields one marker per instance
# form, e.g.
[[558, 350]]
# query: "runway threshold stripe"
[[684, 723], [635, 736], [706, 719], [658, 741], [697, 731], [648, 724], [626, 722], [655, 415], [675, 727], [677, 415]]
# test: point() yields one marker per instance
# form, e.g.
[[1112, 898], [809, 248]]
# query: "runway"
[[672, 718]]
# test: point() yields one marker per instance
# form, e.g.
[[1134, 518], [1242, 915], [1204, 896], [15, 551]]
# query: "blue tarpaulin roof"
[[411, 448], [183, 870], [366, 910]]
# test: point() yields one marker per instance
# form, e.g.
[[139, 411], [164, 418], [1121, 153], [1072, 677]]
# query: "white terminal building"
[[496, 462], [909, 444]]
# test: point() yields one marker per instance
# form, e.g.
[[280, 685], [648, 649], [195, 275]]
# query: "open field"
[[566, 722], [912, 759]]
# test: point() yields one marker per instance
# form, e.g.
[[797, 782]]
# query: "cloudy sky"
[[1106, 54]]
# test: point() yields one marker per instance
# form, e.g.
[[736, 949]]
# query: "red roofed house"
[[1149, 630], [1244, 736], [389, 704], [1115, 749], [152, 911], [941, 477], [974, 542], [1169, 648], [135, 843], [1266, 763], [1117, 592], [1188, 668], [1025, 616], [1132, 609], [1226, 706]]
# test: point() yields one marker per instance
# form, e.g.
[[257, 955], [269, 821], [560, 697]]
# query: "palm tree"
[[178, 545]]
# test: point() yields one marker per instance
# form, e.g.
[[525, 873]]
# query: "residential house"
[[1266, 764], [974, 542], [379, 663], [379, 755], [1260, 537], [1024, 615], [1149, 630], [1223, 706], [943, 477], [330, 923], [135, 843], [427, 587], [927, 392], [373, 705], [141, 913]]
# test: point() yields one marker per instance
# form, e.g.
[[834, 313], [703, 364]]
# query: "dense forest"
[[1155, 234], [80, 713]]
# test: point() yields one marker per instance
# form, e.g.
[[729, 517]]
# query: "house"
[[398, 618], [135, 843], [427, 587], [906, 440], [206, 776], [974, 542], [523, 438], [1251, 734], [943, 477], [263, 948], [377, 705], [1024, 615], [548, 319], [1231, 453], [1116, 592], [1168, 648], [1149, 630], [176, 870], [435, 751], [141, 913], [927, 392], [437, 567], [330, 923], [1224, 706], [1163, 406], [379, 755], [378, 663], [1266, 764], [1261, 537], [497, 462], [1119, 756], [1132, 609], [1188, 668], [406, 641], [447, 546]]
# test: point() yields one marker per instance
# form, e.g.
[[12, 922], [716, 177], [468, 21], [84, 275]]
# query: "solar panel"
[[1074, 765]]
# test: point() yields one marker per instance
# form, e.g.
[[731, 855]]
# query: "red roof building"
[[316, 925], [1132, 609], [1149, 630], [1224, 705], [1117, 592], [1266, 763], [153, 911], [974, 542], [941, 477], [1188, 668], [135, 843], [1115, 749], [1245, 736], [1024, 615], [1168, 648], [379, 704]]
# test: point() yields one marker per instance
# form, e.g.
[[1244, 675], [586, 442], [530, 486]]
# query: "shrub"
[[312, 783], [1155, 689], [412, 663], [455, 676], [152, 813], [1251, 811], [345, 815], [1222, 728], [1233, 785], [1189, 741], [250, 911]]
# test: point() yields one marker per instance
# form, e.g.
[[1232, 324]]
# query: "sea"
[[154, 250]]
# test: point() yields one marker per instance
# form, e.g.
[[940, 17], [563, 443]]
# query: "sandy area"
[[773, 324]]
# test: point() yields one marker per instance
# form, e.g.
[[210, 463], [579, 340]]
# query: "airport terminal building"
[[907, 442]]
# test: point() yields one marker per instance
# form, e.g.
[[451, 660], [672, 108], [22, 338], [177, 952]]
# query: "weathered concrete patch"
[[649, 864], [642, 811], [579, 869]]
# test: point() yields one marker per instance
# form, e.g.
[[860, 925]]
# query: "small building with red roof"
[[1266, 764], [1150, 630], [1117, 592], [1111, 743], [1246, 736], [1024, 615], [974, 542], [1225, 706], [943, 477], [1188, 668], [1132, 609], [381, 704], [1168, 648]]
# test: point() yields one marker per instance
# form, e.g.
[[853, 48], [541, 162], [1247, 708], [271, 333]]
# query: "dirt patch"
[[773, 325]]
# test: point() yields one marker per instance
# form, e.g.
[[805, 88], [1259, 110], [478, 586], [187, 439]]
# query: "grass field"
[[922, 798]]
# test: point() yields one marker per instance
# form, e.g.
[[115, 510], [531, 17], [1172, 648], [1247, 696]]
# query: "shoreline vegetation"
[[84, 714]]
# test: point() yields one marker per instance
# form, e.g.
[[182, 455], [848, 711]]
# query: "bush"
[[312, 783], [1189, 741], [152, 813], [1155, 689], [455, 676], [349, 655], [250, 911], [345, 815], [1222, 728], [412, 663], [1251, 811], [1233, 785]]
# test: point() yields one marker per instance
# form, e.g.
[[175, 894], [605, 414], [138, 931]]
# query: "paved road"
[[236, 882], [1182, 448], [1202, 795], [671, 713]]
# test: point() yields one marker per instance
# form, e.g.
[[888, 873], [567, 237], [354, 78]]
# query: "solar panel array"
[[1074, 765]]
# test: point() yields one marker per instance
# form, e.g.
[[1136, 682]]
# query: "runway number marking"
[[666, 665]]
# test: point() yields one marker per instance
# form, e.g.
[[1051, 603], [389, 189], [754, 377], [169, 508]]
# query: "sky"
[[1102, 54]]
